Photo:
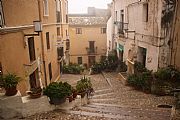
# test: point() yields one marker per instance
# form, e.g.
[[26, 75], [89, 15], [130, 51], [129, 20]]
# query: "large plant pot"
[[11, 91], [75, 95], [57, 101], [70, 98], [82, 94], [35, 95]]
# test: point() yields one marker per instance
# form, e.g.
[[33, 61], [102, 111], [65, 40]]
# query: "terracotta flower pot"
[[35, 95], [57, 101], [70, 98], [75, 94], [11, 91]]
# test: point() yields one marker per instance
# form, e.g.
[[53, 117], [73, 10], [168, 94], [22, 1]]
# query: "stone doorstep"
[[122, 78]]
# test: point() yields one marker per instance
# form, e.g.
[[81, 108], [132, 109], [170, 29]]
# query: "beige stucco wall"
[[79, 42], [14, 54], [175, 57], [146, 34]]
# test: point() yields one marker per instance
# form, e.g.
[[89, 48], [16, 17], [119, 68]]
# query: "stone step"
[[103, 91], [122, 112], [113, 107], [105, 95], [94, 114]]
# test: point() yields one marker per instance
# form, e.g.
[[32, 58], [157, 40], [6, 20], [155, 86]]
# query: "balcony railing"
[[91, 50], [121, 26]]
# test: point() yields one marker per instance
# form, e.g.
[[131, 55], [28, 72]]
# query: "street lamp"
[[37, 28]]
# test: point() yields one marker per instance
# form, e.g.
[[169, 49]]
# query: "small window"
[[50, 71], [31, 49], [145, 12], [58, 31], [1, 71], [67, 18], [103, 30], [47, 40], [46, 8], [66, 32], [78, 30], [79, 60]]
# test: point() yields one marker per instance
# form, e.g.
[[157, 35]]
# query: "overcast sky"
[[80, 6]]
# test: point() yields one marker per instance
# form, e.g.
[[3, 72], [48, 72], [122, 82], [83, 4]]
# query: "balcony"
[[91, 51], [121, 27], [31, 67]]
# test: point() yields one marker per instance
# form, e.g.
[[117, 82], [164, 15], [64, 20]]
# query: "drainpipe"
[[42, 43]]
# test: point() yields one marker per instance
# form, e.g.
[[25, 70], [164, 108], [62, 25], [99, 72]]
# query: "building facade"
[[140, 32], [29, 54], [88, 37], [175, 38]]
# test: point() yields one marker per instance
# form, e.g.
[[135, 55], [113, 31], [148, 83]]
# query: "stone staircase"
[[98, 107]]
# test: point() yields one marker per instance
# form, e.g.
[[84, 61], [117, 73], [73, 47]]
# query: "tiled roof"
[[90, 20]]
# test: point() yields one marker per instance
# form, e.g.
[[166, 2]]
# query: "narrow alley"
[[113, 100]]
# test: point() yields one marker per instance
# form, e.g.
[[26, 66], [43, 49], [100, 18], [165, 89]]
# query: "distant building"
[[140, 31], [88, 37], [31, 55]]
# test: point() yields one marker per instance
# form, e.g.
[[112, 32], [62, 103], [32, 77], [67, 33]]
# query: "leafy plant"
[[57, 90], [73, 68], [9, 80], [36, 90], [139, 67], [83, 85], [141, 81]]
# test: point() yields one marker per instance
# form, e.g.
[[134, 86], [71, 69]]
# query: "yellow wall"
[[14, 54], [79, 42]]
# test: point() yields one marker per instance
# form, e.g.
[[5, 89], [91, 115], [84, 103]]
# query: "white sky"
[[80, 6]]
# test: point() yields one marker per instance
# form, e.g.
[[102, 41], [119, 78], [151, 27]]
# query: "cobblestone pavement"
[[112, 100]]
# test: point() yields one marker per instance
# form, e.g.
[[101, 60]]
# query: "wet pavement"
[[112, 100]]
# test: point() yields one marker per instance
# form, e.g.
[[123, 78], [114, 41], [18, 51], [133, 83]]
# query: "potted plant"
[[83, 86], [68, 89], [75, 93], [9, 82], [57, 92], [35, 92]]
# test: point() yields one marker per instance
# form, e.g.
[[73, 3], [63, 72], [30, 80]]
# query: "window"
[[91, 47], [50, 71], [1, 15], [67, 44], [31, 49], [78, 30], [103, 30], [46, 8], [1, 71], [66, 32], [67, 18], [115, 15], [58, 11], [47, 40], [33, 79], [60, 52], [79, 60], [58, 31], [145, 12]]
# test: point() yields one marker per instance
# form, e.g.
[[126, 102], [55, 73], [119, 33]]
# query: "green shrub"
[[73, 69], [139, 67], [141, 81], [167, 74], [83, 85], [58, 90], [9, 80], [122, 67]]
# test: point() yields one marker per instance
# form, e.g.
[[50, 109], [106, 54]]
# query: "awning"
[[120, 47]]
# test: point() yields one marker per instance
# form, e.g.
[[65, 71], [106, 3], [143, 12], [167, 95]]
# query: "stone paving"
[[112, 100]]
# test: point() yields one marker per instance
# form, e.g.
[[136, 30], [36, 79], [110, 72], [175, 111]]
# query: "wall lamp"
[[37, 28]]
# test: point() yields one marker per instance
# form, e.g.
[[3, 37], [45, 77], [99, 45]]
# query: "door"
[[91, 60]]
